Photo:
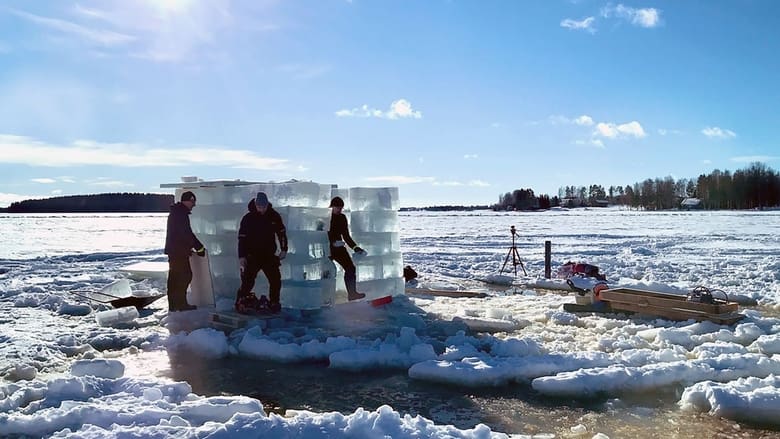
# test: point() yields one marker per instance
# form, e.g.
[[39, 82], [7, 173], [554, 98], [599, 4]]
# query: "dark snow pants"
[[270, 267], [179, 278]]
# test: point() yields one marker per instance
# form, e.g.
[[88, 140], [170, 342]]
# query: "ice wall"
[[309, 279]]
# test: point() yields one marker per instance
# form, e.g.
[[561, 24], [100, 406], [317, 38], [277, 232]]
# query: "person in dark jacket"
[[338, 235], [257, 235], [179, 245]]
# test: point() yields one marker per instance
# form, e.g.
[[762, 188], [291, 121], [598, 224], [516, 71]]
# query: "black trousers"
[[179, 278], [340, 255], [270, 267]]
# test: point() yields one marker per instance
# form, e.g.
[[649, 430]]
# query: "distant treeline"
[[116, 202], [754, 187], [446, 208]]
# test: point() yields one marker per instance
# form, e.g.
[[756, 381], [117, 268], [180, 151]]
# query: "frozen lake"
[[46, 256]]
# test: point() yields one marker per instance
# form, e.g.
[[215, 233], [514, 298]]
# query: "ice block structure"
[[310, 279]]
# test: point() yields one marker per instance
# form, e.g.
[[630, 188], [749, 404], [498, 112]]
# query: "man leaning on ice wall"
[[179, 244]]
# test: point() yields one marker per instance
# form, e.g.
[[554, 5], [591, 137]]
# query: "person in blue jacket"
[[257, 235], [180, 242], [339, 236]]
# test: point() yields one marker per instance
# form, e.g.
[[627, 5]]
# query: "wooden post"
[[547, 259]]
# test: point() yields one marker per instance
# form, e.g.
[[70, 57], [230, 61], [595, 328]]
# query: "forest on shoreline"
[[110, 202], [754, 187]]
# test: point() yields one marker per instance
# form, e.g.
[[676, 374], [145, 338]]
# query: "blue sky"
[[454, 102]]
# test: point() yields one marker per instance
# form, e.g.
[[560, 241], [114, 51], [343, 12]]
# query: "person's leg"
[[248, 277], [341, 256], [179, 277], [274, 275]]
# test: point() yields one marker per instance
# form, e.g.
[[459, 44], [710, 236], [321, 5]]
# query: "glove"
[[201, 252], [241, 264], [282, 254], [359, 250]]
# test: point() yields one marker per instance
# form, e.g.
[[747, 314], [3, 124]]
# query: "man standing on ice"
[[338, 235], [257, 235], [179, 244]]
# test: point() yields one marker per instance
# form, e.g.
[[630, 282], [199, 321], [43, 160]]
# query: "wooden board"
[[446, 293], [654, 298], [670, 306]]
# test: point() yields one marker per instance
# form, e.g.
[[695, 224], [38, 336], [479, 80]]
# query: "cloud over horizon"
[[399, 109], [28, 151]]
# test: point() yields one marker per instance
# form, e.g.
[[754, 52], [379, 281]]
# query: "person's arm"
[[281, 233], [345, 234], [242, 238], [195, 242]]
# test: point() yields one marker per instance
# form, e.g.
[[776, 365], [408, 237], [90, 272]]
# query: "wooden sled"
[[446, 293], [118, 302], [670, 306]]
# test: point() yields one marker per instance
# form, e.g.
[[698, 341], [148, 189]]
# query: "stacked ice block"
[[309, 279], [373, 221]]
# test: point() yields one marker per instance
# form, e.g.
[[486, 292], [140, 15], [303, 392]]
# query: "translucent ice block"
[[114, 316], [378, 243], [374, 198], [381, 287], [302, 294], [374, 221], [304, 218]]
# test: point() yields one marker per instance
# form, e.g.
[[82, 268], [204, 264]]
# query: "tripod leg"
[[519, 262], [506, 259]]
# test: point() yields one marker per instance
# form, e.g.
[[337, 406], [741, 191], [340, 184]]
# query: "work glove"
[[201, 252], [242, 265], [282, 254], [359, 251]]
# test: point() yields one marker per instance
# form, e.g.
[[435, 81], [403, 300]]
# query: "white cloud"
[[403, 179], [56, 192], [584, 120], [614, 131], [300, 71], [719, 133], [470, 156], [157, 30], [585, 24], [43, 180], [591, 142], [754, 158], [495, 125], [28, 151], [108, 182], [400, 179], [707, 161], [104, 38], [399, 109], [6, 199], [642, 17], [557, 119]]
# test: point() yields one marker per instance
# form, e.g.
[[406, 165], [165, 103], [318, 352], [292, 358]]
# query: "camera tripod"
[[515, 256]]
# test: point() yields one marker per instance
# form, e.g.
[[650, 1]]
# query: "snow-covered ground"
[[66, 376]]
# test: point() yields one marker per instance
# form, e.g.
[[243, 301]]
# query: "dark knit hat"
[[261, 199], [188, 196], [336, 202]]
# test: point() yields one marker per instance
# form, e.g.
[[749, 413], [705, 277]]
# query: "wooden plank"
[[446, 293], [664, 300], [678, 313]]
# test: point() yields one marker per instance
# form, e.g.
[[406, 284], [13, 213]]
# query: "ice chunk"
[[117, 289], [374, 198], [305, 218], [381, 287], [98, 368], [112, 317]]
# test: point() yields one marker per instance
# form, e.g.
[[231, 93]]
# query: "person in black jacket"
[[179, 245], [257, 235], [338, 235]]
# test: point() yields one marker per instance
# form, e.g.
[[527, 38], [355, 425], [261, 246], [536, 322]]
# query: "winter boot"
[[352, 293], [275, 307], [262, 304], [246, 304]]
